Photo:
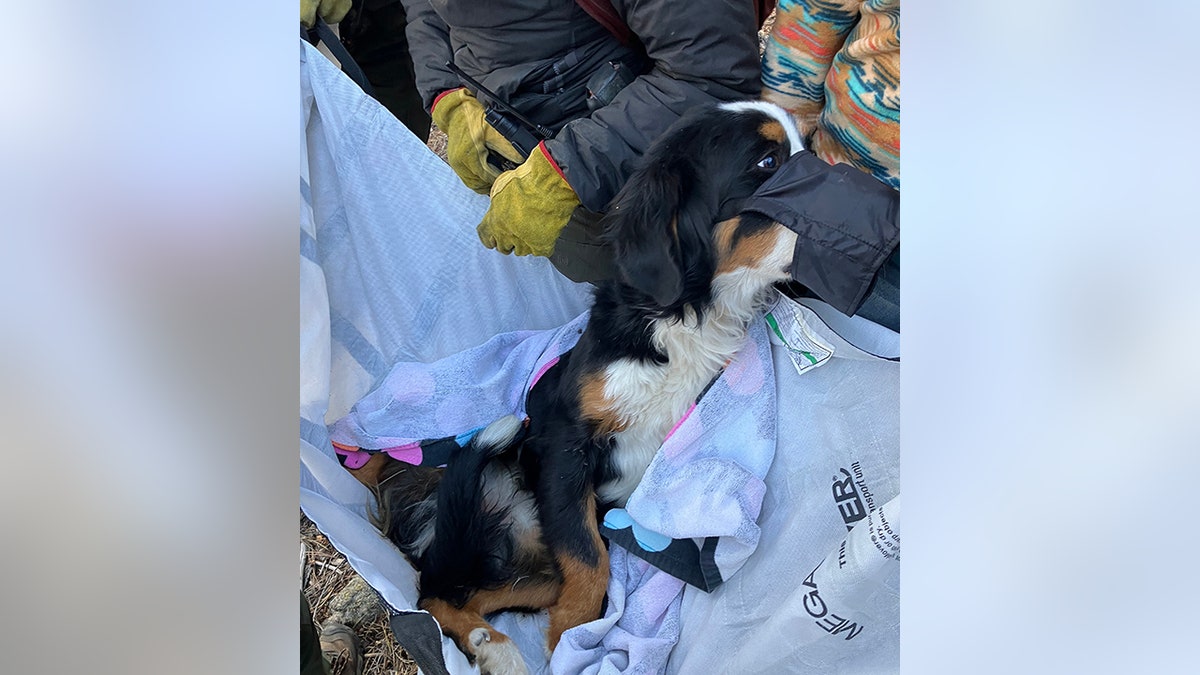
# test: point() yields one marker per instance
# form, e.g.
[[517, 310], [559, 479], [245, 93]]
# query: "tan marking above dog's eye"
[[772, 130]]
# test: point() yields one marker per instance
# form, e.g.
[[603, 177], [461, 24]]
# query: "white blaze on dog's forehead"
[[774, 111]]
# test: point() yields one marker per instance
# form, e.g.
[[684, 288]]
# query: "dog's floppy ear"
[[642, 227]]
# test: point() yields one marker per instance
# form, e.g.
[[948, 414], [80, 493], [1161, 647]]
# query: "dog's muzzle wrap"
[[847, 222]]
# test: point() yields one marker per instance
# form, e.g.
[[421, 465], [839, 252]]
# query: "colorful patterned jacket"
[[835, 64]]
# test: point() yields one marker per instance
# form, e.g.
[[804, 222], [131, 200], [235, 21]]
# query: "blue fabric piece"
[[464, 438], [619, 519]]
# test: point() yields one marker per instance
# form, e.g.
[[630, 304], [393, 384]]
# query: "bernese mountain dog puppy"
[[513, 521]]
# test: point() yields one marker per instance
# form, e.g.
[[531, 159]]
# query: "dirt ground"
[[326, 572]]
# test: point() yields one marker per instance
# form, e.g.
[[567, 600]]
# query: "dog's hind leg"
[[492, 650], [583, 562]]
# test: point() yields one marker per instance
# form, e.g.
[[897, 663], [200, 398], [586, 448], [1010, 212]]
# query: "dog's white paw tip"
[[479, 636], [500, 658]]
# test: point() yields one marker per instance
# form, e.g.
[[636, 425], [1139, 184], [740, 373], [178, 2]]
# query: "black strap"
[[323, 33], [418, 633]]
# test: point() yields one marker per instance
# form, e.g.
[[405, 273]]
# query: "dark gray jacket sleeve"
[[847, 221], [429, 46], [702, 51]]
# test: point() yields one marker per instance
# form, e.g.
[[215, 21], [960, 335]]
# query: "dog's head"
[[675, 226]]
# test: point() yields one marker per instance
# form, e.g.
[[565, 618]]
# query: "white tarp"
[[392, 272]]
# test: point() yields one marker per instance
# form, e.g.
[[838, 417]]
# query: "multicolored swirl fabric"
[[835, 64]]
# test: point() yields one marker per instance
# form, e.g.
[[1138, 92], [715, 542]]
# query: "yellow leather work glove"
[[332, 11], [530, 205], [469, 137]]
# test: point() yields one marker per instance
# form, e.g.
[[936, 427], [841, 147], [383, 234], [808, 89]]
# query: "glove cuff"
[[541, 147], [443, 94], [530, 205], [449, 100], [550, 158]]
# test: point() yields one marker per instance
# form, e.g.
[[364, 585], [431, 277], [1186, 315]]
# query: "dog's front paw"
[[495, 653], [479, 636]]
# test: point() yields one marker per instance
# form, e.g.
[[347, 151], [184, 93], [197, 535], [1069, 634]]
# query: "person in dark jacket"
[[373, 33], [563, 70]]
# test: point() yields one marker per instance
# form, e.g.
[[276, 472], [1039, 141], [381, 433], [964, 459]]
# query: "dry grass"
[[437, 141], [326, 572], [765, 32]]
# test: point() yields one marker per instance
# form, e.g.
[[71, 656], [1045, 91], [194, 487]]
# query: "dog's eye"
[[769, 162]]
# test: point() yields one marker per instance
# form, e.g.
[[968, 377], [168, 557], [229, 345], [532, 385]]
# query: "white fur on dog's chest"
[[647, 397], [650, 398]]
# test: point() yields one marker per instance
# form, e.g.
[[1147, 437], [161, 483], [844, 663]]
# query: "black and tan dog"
[[511, 522]]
